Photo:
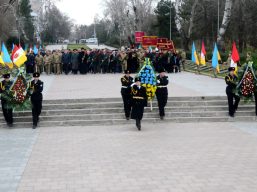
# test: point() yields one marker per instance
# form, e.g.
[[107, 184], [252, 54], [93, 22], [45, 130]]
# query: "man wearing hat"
[[139, 101], [162, 92], [36, 98], [231, 81], [126, 82], [7, 111]]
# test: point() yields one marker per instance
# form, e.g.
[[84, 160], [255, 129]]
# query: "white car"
[[92, 41]]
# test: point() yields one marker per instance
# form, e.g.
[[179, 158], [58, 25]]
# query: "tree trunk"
[[191, 21], [177, 18], [225, 21]]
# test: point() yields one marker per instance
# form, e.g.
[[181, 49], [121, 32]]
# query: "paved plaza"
[[108, 86], [163, 157]]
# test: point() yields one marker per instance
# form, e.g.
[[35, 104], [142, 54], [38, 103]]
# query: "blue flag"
[[35, 50], [215, 58], [194, 55], [6, 57]]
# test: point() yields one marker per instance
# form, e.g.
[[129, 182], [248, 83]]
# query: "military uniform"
[[162, 93], [7, 111], [125, 92], [231, 86], [36, 87], [48, 63], [56, 61], [105, 63], [39, 61], [139, 101]]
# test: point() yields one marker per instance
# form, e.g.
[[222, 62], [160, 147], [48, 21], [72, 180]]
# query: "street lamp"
[[170, 7]]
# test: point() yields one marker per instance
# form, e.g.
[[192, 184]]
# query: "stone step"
[[122, 121], [120, 104], [110, 116], [202, 109], [96, 100]]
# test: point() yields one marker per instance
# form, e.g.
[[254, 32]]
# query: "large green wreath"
[[247, 84]]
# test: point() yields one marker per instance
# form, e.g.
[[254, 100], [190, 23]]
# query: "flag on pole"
[[203, 54], [216, 58], [6, 57], [194, 55], [35, 49], [13, 45], [30, 49], [15, 48], [2, 61], [19, 56], [234, 57]]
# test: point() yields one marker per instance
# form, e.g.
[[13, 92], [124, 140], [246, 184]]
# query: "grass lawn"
[[77, 46]]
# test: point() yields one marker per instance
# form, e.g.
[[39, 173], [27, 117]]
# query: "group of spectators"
[[100, 61]]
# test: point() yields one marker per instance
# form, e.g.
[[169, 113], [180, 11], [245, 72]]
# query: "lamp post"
[[170, 7], [218, 18]]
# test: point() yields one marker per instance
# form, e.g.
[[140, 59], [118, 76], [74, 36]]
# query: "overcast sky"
[[81, 11]]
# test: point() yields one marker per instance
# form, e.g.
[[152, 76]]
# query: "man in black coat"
[[36, 87], [231, 81], [30, 63], [66, 61], [162, 92], [139, 101], [7, 110], [126, 82]]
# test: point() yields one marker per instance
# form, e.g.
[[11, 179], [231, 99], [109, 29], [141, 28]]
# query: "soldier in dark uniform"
[[231, 81], [139, 101], [126, 82], [36, 98], [7, 111], [162, 92]]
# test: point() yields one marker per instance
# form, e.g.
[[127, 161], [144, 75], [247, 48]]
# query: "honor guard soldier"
[[231, 81], [126, 82], [7, 110], [139, 101], [36, 98], [162, 92]]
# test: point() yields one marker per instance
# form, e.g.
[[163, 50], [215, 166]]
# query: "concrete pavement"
[[56, 47], [172, 158], [108, 85], [163, 157]]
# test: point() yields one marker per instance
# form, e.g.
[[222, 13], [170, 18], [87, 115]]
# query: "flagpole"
[[218, 18]]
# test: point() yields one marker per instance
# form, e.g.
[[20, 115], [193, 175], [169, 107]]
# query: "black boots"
[[138, 124]]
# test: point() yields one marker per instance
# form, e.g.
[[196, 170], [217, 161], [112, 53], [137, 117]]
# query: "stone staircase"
[[110, 111]]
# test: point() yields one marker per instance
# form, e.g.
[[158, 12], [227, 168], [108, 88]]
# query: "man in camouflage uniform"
[[56, 61], [123, 58], [39, 63], [48, 62]]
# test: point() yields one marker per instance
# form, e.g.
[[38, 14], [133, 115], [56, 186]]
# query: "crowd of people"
[[84, 61]]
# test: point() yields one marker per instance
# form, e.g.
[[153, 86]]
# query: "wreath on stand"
[[17, 96], [148, 79], [247, 81]]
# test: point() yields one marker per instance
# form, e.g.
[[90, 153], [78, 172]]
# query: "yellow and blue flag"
[[2, 61], [216, 58], [6, 57], [194, 55]]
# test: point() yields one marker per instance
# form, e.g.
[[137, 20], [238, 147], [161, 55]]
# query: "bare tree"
[[225, 21]]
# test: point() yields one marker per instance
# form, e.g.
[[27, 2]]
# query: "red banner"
[[138, 36], [162, 40], [165, 44], [148, 41]]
